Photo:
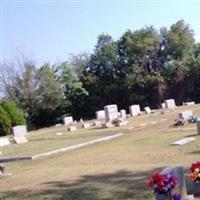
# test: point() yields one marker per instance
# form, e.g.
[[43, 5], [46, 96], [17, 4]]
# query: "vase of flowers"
[[162, 185], [195, 177]]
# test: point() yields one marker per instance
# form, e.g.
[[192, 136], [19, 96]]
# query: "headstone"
[[163, 105], [147, 110], [19, 131], [100, 114], [123, 114], [20, 140], [170, 103], [184, 141], [81, 121], [4, 142], [111, 112], [178, 172], [198, 126], [71, 128], [189, 103], [85, 125], [58, 125], [186, 115], [134, 110], [68, 120]]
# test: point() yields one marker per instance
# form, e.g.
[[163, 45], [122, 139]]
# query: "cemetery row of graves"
[[117, 126]]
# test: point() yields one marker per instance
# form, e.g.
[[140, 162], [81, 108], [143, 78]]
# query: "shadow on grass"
[[119, 185]]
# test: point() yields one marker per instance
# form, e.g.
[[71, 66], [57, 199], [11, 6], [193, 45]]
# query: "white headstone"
[[100, 114], [178, 172], [147, 110], [189, 103], [68, 120], [198, 126], [184, 141], [134, 110], [20, 140], [170, 103], [19, 131], [123, 114], [4, 142], [186, 115], [163, 105], [111, 112]]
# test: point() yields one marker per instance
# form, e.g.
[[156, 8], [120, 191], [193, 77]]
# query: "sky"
[[51, 31]]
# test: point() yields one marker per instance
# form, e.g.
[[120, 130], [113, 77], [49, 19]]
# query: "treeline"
[[143, 66]]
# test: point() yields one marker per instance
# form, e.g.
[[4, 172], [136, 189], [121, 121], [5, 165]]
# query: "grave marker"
[[4, 142], [170, 103], [134, 110], [186, 115], [68, 120], [123, 114], [198, 126], [19, 131], [100, 114], [178, 172], [111, 112]]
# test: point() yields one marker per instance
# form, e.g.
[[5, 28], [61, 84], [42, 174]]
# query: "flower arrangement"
[[162, 183], [195, 172], [179, 121], [193, 119]]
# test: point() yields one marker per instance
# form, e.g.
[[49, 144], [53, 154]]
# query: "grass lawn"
[[116, 169]]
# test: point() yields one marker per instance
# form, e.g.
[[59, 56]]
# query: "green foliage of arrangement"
[[14, 114], [5, 123]]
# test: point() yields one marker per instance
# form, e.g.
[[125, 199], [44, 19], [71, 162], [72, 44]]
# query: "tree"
[[5, 123], [14, 114], [49, 96], [74, 92], [179, 40]]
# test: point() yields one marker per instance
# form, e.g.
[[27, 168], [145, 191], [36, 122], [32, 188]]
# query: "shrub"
[[5, 123], [15, 115]]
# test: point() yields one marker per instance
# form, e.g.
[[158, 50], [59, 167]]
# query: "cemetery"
[[99, 100], [95, 161]]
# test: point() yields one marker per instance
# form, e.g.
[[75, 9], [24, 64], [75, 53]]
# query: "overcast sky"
[[48, 31]]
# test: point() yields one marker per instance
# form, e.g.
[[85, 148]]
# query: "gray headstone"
[[100, 114], [198, 126], [186, 115], [4, 142], [123, 114], [19, 131], [181, 186], [111, 112], [170, 103], [68, 120], [134, 110]]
